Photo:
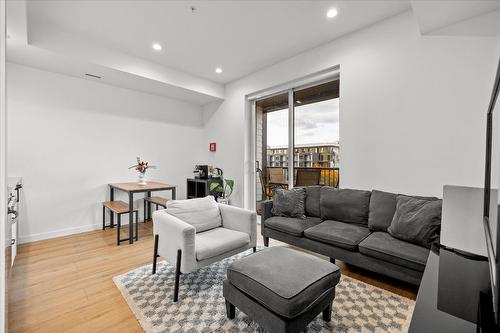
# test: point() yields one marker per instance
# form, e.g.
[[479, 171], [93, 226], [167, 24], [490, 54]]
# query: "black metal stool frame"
[[118, 220]]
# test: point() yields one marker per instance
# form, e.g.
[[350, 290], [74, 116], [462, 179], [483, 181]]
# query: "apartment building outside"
[[325, 155]]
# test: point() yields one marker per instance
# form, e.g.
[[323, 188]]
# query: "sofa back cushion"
[[383, 207], [345, 205], [201, 213], [313, 194]]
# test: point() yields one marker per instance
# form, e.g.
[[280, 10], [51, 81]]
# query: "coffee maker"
[[201, 171]]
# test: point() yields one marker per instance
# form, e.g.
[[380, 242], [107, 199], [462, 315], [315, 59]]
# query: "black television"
[[491, 206]]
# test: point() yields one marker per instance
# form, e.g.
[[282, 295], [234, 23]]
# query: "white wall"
[[412, 108], [69, 137]]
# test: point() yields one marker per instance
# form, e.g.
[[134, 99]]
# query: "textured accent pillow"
[[201, 213], [383, 207], [289, 202], [416, 220]]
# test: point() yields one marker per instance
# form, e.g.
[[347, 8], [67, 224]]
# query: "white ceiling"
[[239, 36], [113, 38], [458, 17]]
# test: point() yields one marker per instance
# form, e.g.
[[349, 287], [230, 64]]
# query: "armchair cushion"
[[239, 219], [218, 241], [201, 213]]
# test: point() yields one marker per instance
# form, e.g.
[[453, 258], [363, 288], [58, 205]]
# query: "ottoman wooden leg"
[[266, 241], [327, 313], [230, 310]]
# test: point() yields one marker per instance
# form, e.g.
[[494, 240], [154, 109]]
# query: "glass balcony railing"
[[323, 176]]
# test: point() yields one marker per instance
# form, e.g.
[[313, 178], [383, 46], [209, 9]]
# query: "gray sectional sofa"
[[349, 225]]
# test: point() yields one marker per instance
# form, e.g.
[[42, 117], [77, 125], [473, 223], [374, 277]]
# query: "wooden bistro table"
[[131, 189]]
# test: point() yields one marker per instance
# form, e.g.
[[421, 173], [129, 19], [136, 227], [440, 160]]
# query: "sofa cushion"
[[218, 241], [291, 225], [383, 246], [289, 203], [344, 235], [201, 213], [383, 207], [416, 220], [284, 280], [344, 205], [313, 194]]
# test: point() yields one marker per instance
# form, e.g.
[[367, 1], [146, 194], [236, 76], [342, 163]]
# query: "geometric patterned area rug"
[[358, 307]]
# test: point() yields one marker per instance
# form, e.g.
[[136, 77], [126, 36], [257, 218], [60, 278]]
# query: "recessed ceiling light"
[[332, 13], [156, 47], [218, 70]]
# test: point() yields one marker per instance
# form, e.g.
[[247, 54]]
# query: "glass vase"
[[142, 178]]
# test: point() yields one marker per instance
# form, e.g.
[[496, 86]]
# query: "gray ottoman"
[[281, 289]]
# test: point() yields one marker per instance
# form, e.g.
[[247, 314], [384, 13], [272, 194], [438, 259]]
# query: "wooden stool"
[[119, 208], [158, 201]]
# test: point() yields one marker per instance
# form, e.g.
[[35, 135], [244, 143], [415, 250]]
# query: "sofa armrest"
[[175, 234], [267, 206], [240, 219]]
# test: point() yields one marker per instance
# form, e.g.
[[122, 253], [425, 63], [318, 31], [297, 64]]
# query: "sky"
[[314, 123]]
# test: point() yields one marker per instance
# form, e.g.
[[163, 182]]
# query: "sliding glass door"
[[305, 119], [316, 135]]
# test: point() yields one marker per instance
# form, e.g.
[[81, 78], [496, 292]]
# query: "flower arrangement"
[[141, 167]]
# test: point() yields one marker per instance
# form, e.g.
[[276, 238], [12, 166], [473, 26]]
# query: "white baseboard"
[[61, 232], [58, 233]]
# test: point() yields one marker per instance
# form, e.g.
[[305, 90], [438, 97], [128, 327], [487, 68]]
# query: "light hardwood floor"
[[65, 284]]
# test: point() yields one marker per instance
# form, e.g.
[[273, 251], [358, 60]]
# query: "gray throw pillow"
[[416, 220], [383, 207], [289, 203]]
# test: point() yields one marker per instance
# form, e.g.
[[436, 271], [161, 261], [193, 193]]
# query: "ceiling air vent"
[[94, 76]]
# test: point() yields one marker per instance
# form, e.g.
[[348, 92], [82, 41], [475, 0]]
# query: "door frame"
[[250, 178], [3, 170]]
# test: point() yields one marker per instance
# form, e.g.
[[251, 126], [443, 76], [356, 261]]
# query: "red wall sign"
[[213, 146]]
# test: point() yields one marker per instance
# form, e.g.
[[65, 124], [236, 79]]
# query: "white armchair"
[[198, 232]]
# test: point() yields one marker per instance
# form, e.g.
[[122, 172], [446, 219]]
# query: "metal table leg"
[[111, 198], [118, 227], [103, 217], [131, 218], [149, 205], [137, 225]]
